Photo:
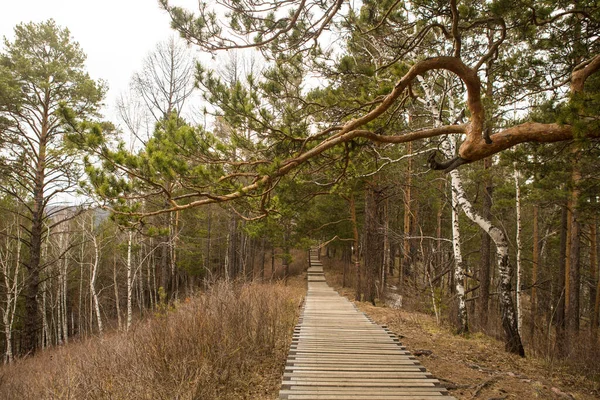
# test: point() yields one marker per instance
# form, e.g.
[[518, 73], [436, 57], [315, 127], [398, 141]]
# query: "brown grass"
[[475, 366], [230, 342]]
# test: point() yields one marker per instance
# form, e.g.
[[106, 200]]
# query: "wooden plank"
[[337, 352]]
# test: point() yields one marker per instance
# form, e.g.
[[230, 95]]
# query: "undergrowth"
[[224, 343]]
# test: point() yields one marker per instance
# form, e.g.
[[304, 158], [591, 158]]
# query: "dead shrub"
[[219, 344]]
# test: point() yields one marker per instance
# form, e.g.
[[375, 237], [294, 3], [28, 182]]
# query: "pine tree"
[[42, 76]]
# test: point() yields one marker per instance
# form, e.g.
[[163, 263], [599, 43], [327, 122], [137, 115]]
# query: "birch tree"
[[10, 262], [91, 234], [516, 176]]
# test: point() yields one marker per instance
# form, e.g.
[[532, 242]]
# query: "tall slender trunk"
[[12, 288], [512, 338], [232, 248], [286, 252], [519, 248], [95, 265], [562, 287], [485, 265], [65, 290], [535, 267], [595, 276], [32, 287], [406, 260], [449, 149], [262, 259], [116, 287], [46, 335], [373, 235], [386, 245], [459, 270], [597, 302], [208, 232], [458, 199], [572, 311], [80, 304], [438, 230], [129, 281], [568, 261], [174, 276], [355, 247]]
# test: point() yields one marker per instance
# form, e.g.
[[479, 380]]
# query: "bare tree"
[[166, 79]]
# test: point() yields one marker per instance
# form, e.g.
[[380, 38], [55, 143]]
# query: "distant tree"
[[166, 79], [42, 76]]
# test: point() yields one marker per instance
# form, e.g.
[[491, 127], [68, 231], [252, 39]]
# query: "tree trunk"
[[46, 336], [286, 252], [595, 262], [80, 325], [262, 259], [440, 212], [232, 248], [572, 310], [512, 340], [208, 233], [272, 261], [116, 287], [459, 271], [32, 287], [406, 261], [595, 276], [373, 252], [12, 289], [95, 265], [386, 245], [129, 281], [356, 247], [562, 289], [519, 249], [534, 272], [485, 265]]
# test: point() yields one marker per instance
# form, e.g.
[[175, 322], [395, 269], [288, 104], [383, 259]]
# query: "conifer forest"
[[442, 153]]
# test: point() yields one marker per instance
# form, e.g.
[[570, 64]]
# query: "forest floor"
[[474, 366]]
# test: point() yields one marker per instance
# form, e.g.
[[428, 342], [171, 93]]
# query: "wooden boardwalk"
[[338, 353]]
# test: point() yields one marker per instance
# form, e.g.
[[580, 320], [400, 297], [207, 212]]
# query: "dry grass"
[[230, 342], [476, 366]]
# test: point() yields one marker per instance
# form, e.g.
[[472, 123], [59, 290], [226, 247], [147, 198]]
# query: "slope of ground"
[[230, 342], [473, 366], [477, 366]]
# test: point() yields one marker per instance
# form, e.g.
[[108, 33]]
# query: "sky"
[[116, 35]]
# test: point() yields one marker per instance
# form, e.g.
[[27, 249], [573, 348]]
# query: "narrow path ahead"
[[338, 353]]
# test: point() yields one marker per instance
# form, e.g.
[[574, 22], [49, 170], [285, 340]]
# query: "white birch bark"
[[45, 328], [62, 330], [65, 288], [519, 248], [117, 300], [95, 263], [129, 282], [10, 271], [513, 342], [80, 309], [449, 149]]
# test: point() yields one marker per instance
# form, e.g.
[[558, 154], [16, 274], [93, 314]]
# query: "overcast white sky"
[[116, 35]]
